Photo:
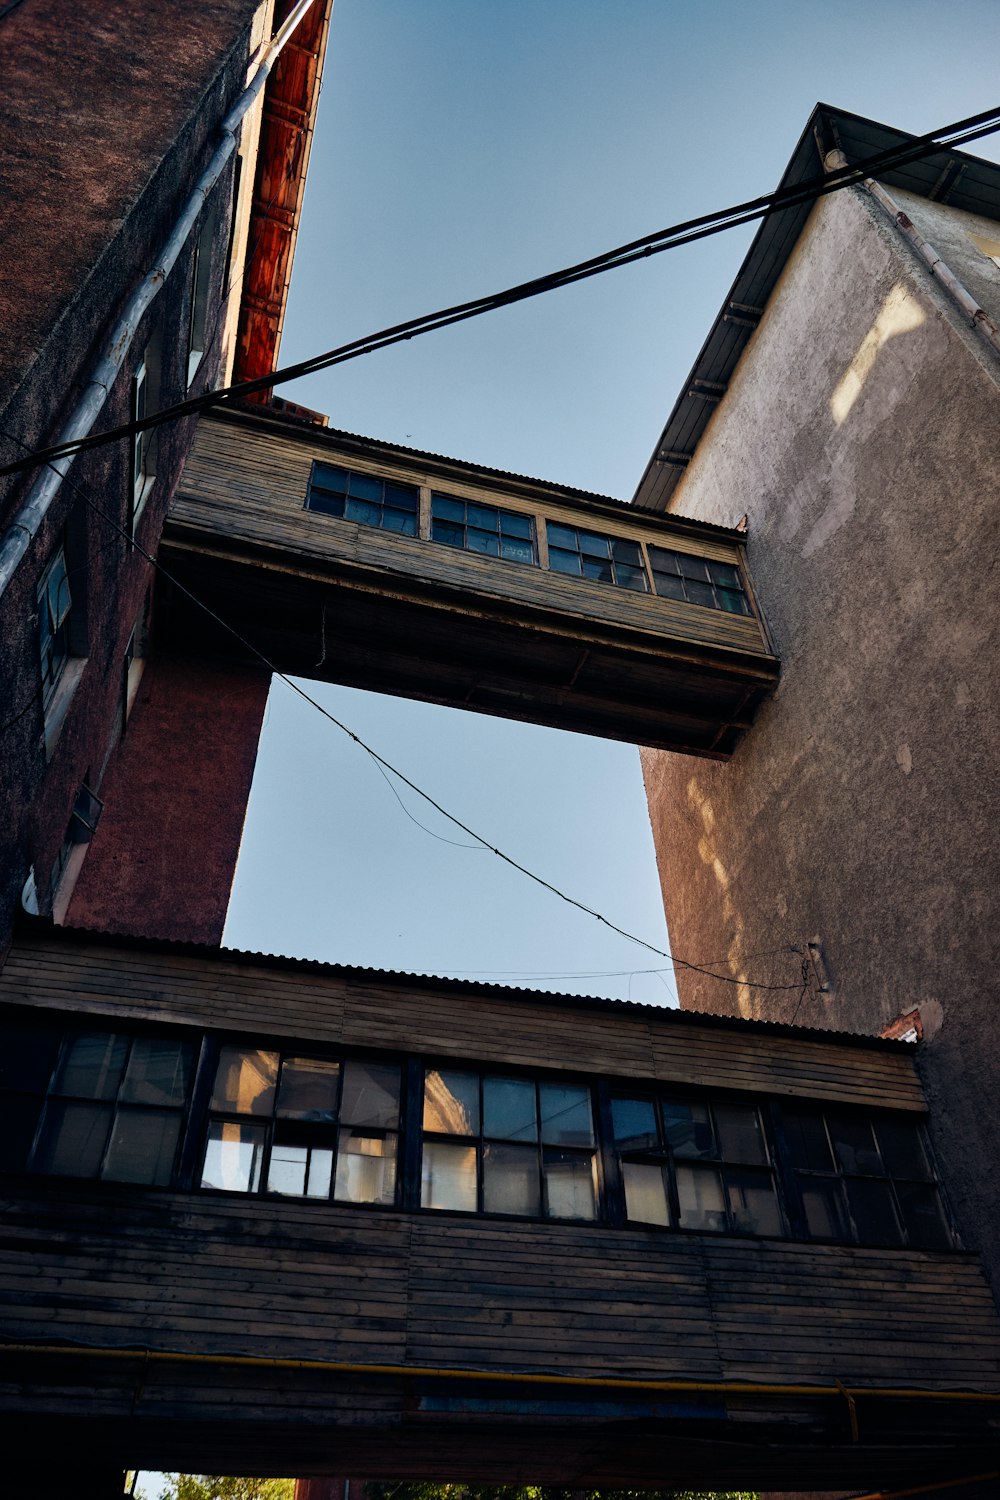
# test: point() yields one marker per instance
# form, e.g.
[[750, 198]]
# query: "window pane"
[[664, 561], [300, 1171], [245, 1081], [509, 1109], [27, 1056], [510, 1180], [516, 550], [371, 1095], [451, 1102], [752, 1203], [854, 1145], [365, 487], [485, 517], [448, 1176], [922, 1216], [564, 562], [143, 1146], [732, 602], [512, 525], [689, 1128], [486, 542], [366, 1168], [400, 521], [447, 532], [73, 1139], [626, 552], [699, 1190], [631, 578], [903, 1150], [807, 1140], [366, 512], [328, 477], [18, 1121], [699, 593], [725, 574], [873, 1213], [592, 567], [740, 1137], [567, 1119], [57, 584], [91, 1065], [825, 1209], [592, 545], [233, 1158], [635, 1124], [308, 1088], [400, 497], [561, 536], [694, 567], [327, 505], [159, 1071], [645, 1193], [570, 1184], [669, 587], [446, 509]]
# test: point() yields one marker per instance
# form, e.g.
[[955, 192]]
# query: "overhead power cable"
[[960, 132]]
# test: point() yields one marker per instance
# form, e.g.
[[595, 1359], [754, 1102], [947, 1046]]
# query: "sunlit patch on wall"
[[900, 313]]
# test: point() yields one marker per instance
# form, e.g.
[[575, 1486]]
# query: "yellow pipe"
[[433, 1372]]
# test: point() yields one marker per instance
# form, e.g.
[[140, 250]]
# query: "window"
[[110, 1105], [697, 580], [201, 286], [693, 1165], [587, 554], [864, 1180], [145, 399], [361, 497], [482, 528], [305, 1126], [499, 1145], [54, 604]]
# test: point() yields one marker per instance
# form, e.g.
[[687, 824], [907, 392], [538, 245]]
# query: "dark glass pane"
[[695, 568], [401, 496], [73, 1138], [57, 585], [451, 1102], [631, 578], [327, 505], [512, 525], [663, 561], [143, 1146], [689, 1128], [371, 1095], [570, 1184], [447, 532], [445, 509], [566, 1115], [752, 1204], [485, 517], [903, 1150], [740, 1137], [328, 477], [825, 1209], [516, 550], [645, 1193], [873, 1212], [509, 1109], [699, 1191], [807, 1140], [725, 575], [27, 1055], [732, 602], [18, 1121], [592, 545], [366, 1167], [510, 1180], [245, 1082], [669, 587], [159, 1071], [635, 1124], [592, 567], [308, 1088], [400, 521], [363, 511], [234, 1156], [448, 1176], [564, 562], [626, 552], [923, 1218], [365, 487], [699, 593], [854, 1145], [562, 536], [486, 542], [91, 1065]]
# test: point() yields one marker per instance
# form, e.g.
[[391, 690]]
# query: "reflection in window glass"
[[635, 1124], [645, 1193], [159, 1071], [688, 1128], [509, 1112], [448, 1176], [510, 1180], [371, 1095], [308, 1089], [451, 1102], [234, 1156], [245, 1082], [366, 1168], [753, 1206], [570, 1184], [699, 1192], [566, 1116], [91, 1065]]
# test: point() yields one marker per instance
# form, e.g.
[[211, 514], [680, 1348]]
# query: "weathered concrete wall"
[[859, 435]]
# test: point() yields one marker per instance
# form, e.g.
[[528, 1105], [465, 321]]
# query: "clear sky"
[[462, 147]]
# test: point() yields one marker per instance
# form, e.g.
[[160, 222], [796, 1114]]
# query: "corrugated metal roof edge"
[[43, 926], [795, 172]]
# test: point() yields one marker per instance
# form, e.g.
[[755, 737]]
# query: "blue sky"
[[461, 148]]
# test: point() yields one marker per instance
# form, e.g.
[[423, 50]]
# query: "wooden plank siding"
[[482, 1023], [418, 617]]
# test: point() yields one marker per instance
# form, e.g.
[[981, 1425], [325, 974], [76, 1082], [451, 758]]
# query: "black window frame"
[[463, 529], [325, 497], [695, 576], [55, 624]]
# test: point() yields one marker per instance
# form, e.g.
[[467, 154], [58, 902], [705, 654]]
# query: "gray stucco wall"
[[859, 435]]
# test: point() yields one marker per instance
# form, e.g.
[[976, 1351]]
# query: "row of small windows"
[[184, 1112], [495, 532]]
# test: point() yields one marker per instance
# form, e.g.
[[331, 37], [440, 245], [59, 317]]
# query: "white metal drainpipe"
[[977, 316], [24, 527]]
